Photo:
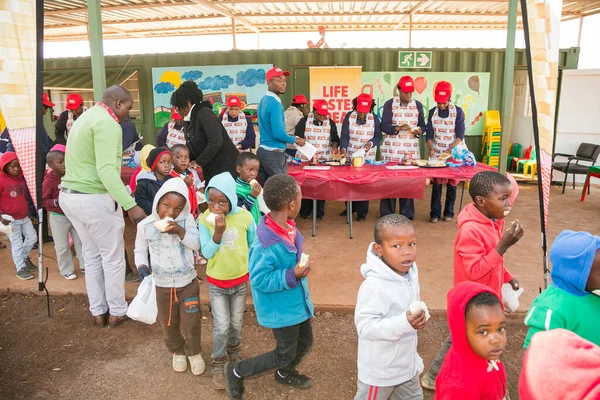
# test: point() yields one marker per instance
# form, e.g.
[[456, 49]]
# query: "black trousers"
[[360, 207], [388, 206], [293, 343], [306, 207]]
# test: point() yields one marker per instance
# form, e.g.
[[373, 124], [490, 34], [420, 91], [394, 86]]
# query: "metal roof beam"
[[136, 6], [223, 11]]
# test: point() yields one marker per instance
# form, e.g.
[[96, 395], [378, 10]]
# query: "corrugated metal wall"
[[443, 60]]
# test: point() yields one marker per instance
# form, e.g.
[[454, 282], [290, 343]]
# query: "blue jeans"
[[228, 306], [21, 241]]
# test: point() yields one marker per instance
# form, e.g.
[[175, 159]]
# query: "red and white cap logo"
[[364, 104]]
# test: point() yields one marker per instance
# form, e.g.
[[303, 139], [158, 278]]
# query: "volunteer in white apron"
[[403, 123], [360, 130], [319, 130], [73, 109], [445, 130], [238, 125], [293, 114], [172, 132]]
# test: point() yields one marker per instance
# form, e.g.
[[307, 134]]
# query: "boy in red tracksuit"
[[14, 210], [481, 243]]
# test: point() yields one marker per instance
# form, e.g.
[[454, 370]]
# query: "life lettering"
[[335, 91]]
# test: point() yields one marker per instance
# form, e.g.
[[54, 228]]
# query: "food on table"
[[444, 156], [436, 163], [420, 163]]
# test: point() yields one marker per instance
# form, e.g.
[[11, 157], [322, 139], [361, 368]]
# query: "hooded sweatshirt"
[[574, 372], [171, 259], [227, 262], [387, 343], [565, 303], [148, 184], [465, 375], [14, 199], [475, 255], [142, 168]]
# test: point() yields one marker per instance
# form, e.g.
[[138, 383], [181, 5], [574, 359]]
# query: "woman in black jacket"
[[210, 146]]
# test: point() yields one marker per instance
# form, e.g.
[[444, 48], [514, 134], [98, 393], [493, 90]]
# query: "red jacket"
[[475, 255], [464, 375], [50, 191], [13, 191]]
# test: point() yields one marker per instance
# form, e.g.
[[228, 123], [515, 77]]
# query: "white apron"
[[236, 130], [360, 135], [394, 147], [71, 120], [318, 136], [174, 135], [444, 134]]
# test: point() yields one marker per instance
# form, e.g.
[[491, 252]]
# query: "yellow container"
[[358, 161]]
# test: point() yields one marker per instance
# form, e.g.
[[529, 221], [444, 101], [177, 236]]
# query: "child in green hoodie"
[[225, 245], [572, 301], [247, 188]]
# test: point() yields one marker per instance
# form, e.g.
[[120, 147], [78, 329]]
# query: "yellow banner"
[[337, 86]]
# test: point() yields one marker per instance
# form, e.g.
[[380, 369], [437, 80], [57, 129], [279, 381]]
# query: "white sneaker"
[[70, 276], [197, 364], [179, 362]]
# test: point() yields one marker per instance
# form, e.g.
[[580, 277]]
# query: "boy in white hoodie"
[[388, 363], [170, 235]]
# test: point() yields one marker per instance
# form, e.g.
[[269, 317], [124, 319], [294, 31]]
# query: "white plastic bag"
[[510, 297], [143, 308], [7, 229]]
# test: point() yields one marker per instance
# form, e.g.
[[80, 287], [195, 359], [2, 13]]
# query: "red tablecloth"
[[374, 182]]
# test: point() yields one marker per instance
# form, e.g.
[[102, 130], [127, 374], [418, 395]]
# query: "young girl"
[[149, 183], [181, 163]]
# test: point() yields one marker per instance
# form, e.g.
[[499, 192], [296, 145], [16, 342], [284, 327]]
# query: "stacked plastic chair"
[[492, 131]]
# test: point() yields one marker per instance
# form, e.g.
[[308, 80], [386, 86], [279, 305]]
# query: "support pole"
[[96, 48], [410, 31], [233, 33], [580, 31], [258, 41], [509, 72]]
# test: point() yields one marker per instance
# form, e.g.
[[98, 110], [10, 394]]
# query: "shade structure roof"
[[66, 20]]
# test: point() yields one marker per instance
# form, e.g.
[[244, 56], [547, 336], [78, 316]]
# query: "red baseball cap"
[[175, 115], [363, 103], [275, 72], [406, 84], [74, 101], [442, 92], [299, 99], [46, 100], [234, 101], [321, 107]]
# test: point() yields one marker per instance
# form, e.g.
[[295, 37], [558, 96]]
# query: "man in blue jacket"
[[271, 124]]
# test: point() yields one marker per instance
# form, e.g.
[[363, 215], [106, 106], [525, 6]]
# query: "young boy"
[[59, 224], [149, 183], [481, 243], [388, 363], [225, 244], [247, 192], [181, 164], [280, 291], [572, 301], [172, 262], [14, 205], [472, 368]]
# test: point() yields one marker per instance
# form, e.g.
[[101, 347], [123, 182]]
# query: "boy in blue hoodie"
[[280, 291], [572, 301], [225, 245], [388, 363]]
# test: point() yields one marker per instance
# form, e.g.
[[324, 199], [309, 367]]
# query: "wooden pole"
[[410, 31], [233, 32]]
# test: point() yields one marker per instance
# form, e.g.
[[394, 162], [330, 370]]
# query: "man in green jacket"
[[93, 198]]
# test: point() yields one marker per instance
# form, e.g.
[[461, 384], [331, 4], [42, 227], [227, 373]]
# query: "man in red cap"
[[239, 126], [319, 130], [171, 132], [360, 131], [73, 109], [445, 130], [403, 122], [271, 123], [293, 114]]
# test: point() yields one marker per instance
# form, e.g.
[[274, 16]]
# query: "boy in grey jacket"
[[388, 363], [170, 236]]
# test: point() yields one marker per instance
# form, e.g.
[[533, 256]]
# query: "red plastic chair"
[[515, 161]]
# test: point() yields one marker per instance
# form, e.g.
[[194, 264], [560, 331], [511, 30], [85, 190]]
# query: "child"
[[144, 153], [181, 163], [247, 193], [14, 205], [59, 223], [280, 291], [388, 363], [481, 243], [177, 292], [149, 183], [226, 244], [575, 371], [572, 301], [472, 368]]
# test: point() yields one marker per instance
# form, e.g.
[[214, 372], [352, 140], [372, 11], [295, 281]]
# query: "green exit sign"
[[414, 59]]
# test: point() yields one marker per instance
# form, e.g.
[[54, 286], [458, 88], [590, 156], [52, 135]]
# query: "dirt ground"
[[65, 357], [335, 278]]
